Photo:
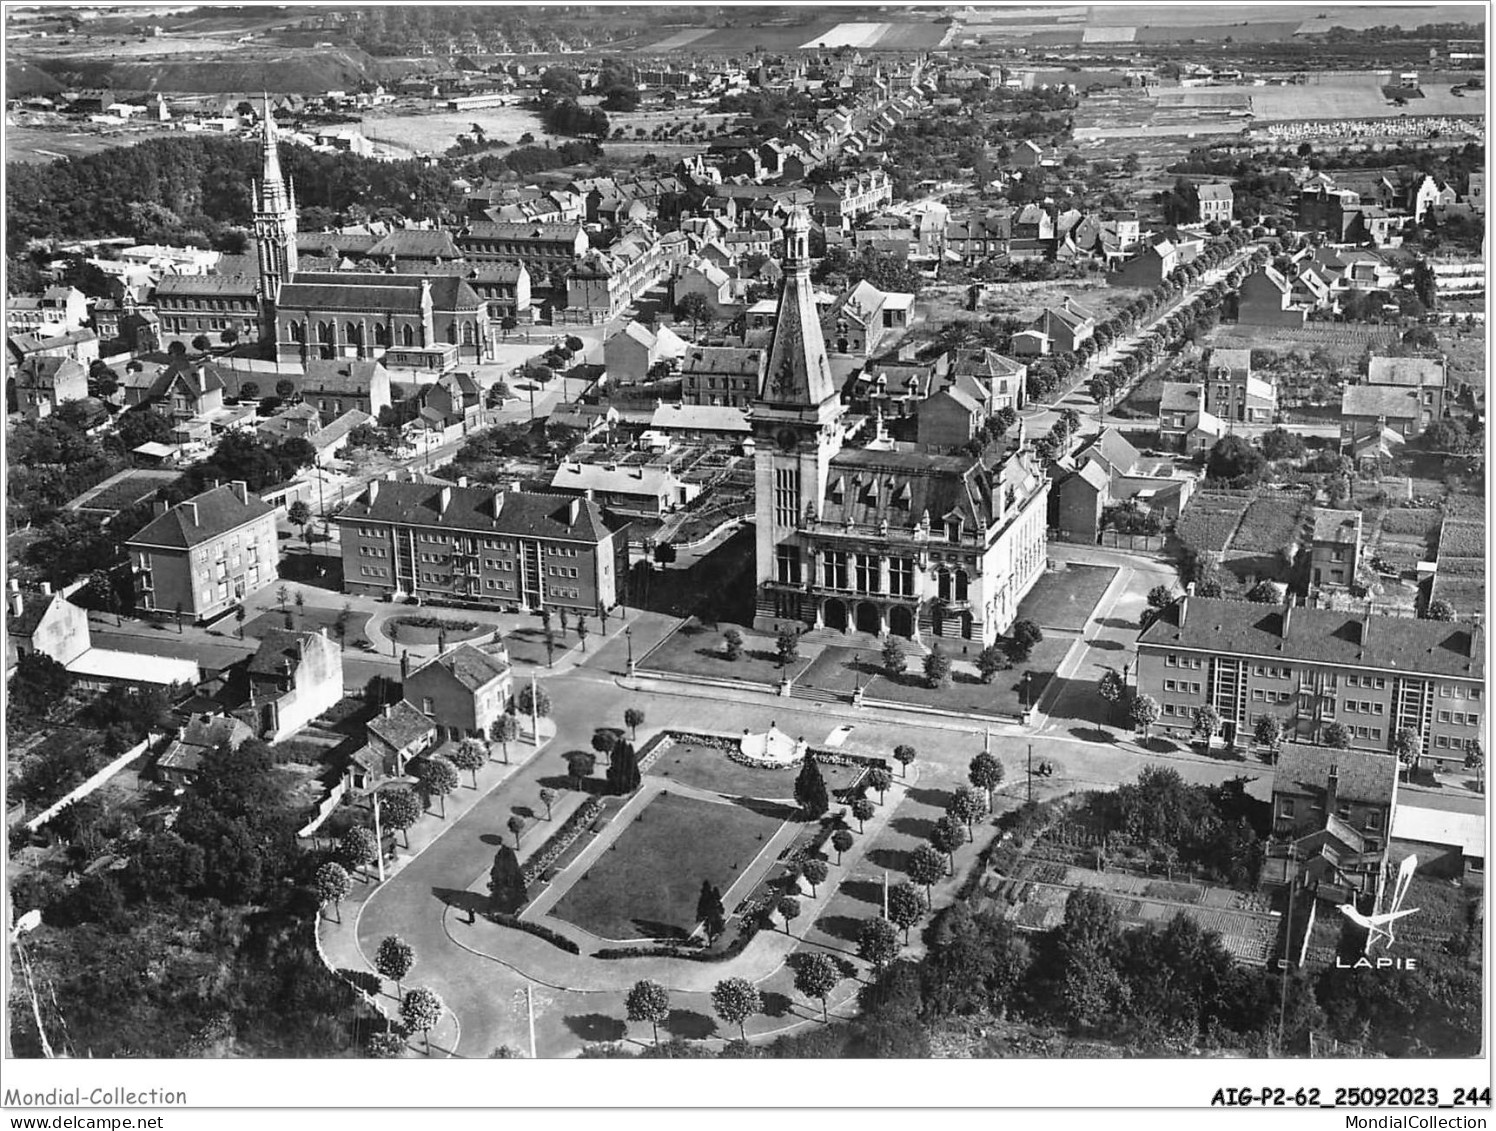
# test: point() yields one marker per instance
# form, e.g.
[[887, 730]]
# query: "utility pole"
[[378, 840], [530, 1009], [1287, 945], [535, 709]]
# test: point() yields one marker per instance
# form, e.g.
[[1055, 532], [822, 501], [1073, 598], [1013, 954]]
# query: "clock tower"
[[797, 428]]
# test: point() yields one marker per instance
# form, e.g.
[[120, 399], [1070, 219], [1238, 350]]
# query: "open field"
[[1029, 300], [39, 144], [1209, 521], [1003, 697], [647, 882], [1347, 341], [1272, 521], [811, 35], [437, 132]]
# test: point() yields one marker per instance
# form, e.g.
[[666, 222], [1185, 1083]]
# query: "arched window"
[[961, 585], [298, 331], [324, 332], [451, 333], [407, 335], [352, 334], [381, 334], [467, 334], [944, 579]]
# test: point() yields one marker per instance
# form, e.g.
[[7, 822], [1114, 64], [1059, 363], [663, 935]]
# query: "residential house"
[[1184, 423], [463, 691], [1266, 299], [78, 345], [1233, 394], [1210, 202], [949, 418], [183, 392], [293, 678], [1066, 325], [180, 761], [700, 277], [863, 317], [40, 384], [1154, 262], [629, 354], [1372, 409], [721, 375], [707, 424], [399, 733], [1334, 548], [1004, 381], [1427, 375], [500, 549], [1375, 675], [57, 310], [46, 622], [1334, 809], [200, 557], [345, 384], [454, 400], [331, 438]]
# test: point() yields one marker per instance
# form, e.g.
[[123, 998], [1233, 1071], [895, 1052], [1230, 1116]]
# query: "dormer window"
[[870, 493], [902, 498], [953, 530]]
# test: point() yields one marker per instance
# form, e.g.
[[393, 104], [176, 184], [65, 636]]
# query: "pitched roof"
[[202, 518], [1180, 396], [415, 243], [278, 648], [478, 509], [339, 428], [471, 667], [1397, 402], [614, 480], [1231, 359], [1111, 446], [244, 285], [400, 725], [705, 418], [1360, 776], [735, 360], [1213, 192], [1406, 371], [1341, 527], [339, 375], [34, 607], [1397, 644], [49, 372], [350, 291]]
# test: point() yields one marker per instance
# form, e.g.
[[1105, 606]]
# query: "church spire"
[[273, 195], [798, 374]]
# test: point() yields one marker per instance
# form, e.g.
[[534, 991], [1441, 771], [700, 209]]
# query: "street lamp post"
[[628, 636]]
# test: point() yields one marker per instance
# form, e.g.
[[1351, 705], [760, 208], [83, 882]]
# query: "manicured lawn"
[[1065, 599], [967, 693], [428, 629], [646, 884], [695, 649], [707, 768], [307, 619], [842, 669]]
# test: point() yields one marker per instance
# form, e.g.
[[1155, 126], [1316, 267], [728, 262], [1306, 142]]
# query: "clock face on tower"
[[788, 440]]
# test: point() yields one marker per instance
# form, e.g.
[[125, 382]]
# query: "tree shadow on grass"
[[524, 811], [918, 827], [936, 798], [655, 929], [690, 1025], [775, 1004], [864, 891], [493, 840], [464, 901], [1107, 645], [596, 1027], [843, 927], [1091, 734], [776, 810], [891, 858]]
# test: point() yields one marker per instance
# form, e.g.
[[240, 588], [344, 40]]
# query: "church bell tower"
[[275, 222]]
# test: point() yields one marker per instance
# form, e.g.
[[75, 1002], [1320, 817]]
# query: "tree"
[[695, 309], [357, 849], [787, 646], [709, 905], [505, 730], [841, 840], [1207, 722], [285, 388], [332, 885], [422, 1009], [1021, 639], [249, 391], [1337, 736], [438, 777], [299, 514], [815, 872], [816, 975], [1112, 688], [905, 906], [394, 960], [579, 766], [506, 881], [937, 668], [1268, 731], [386, 1045], [1439, 609], [985, 772], [633, 718], [470, 755], [648, 1001], [789, 910], [966, 805], [547, 798], [399, 810], [582, 631], [239, 615], [1263, 593], [810, 789], [516, 825], [926, 866], [947, 836], [878, 943], [1144, 712], [991, 660], [904, 755], [1233, 458], [339, 626], [735, 1000], [881, 780], [623, 768], [732, 641], [895, 659], [534, 700], [1407, 744], [282, 595], [1475, 759], [1279, 443], [862, 810], [1160, 597], [39, 685]]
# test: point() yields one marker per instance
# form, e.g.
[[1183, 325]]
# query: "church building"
[[913, 540]]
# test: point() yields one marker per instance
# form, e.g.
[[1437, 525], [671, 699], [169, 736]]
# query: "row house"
[[1374, 675], [601, 284], [1232, 393], [57, 310], [840, 202], [293, 678], [721, 375]]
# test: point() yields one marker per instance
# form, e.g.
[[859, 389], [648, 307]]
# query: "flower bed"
[[555, 938], [571, 828], [653, 749]]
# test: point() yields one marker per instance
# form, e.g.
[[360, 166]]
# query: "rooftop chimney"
[[462, 481], [241, 489], [573, 511], [1365, 629], [373, 491], [1184, 608], [444, 500], [1332, 789], [46, 589], [1189, 590], [1477, 640], [191, 511], [15, 585], [17, 602], [1287, 618]]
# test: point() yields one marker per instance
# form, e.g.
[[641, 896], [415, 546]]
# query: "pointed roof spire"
[[798, 374]]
